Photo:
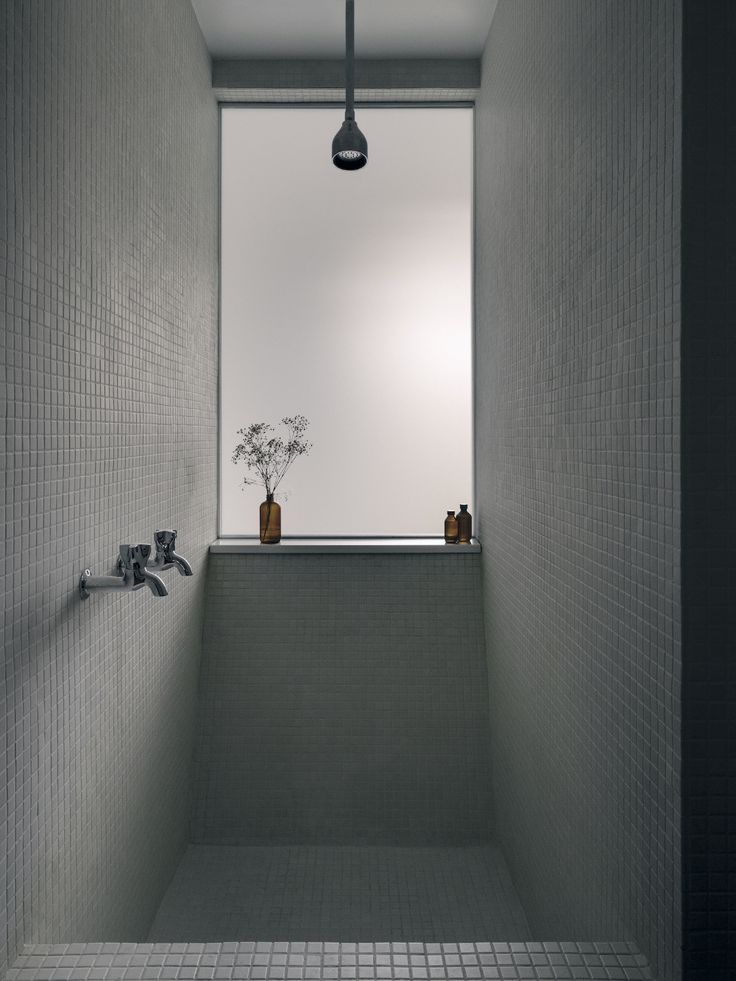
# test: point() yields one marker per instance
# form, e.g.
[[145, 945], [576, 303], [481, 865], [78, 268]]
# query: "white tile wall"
[[577, 388], [108, 276]]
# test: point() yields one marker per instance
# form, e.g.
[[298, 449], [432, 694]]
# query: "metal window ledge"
[[342, 546]]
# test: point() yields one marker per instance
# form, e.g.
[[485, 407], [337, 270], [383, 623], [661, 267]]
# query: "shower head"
[[350, 147]]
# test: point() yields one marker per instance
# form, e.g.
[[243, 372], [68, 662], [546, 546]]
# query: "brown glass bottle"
[[464, 525], [451, 528], [270, 521]]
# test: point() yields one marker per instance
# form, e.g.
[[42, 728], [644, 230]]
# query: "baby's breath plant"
[[266, 455]]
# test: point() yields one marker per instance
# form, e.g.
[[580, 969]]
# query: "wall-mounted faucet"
[[133, 574], [167, 556]]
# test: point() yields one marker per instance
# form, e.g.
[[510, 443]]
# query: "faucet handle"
[[133, 559], [166, 554], [165, 542]]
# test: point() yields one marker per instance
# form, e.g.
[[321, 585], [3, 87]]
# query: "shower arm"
[[350, 59]]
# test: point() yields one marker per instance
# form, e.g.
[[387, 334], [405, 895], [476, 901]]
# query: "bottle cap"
[[451, 514]]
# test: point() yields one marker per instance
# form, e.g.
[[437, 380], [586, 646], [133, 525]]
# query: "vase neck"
[[269, 497]]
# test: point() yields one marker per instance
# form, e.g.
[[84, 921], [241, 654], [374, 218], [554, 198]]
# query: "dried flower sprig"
[[268, 456]]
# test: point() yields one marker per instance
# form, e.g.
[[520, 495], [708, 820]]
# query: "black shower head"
[[350, 147]]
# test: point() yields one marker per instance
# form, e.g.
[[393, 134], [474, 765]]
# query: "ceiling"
[[316, 28]]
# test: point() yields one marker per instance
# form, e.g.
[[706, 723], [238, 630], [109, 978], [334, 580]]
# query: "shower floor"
[[341, 893]]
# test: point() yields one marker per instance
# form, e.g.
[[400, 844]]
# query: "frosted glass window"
[[346, 297]]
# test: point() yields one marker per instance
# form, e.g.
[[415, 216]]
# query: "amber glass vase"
[[464, 525], [270, 521], [451, 528]]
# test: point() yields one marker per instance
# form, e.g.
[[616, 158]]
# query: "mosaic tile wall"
[[321, 80], [107, 259], [577, 388], [709, 491], [343, 700]]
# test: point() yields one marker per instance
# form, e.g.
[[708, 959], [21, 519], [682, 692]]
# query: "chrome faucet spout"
[[155, 583], [181, 564]]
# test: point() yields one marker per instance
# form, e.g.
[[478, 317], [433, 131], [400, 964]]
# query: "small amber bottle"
[[464, 525], [270, 515], [451, 528]]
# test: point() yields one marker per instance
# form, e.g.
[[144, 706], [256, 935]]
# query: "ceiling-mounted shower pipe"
[[350, 147]]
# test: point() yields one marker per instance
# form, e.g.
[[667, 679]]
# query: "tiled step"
[[340, 961]]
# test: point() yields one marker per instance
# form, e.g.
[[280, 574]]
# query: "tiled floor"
[[343, 962], [368, 904], [362, 893]]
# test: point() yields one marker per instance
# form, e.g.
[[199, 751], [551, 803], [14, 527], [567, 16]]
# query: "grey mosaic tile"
[[236, 962], [577, 459], [370, 893], [107, 307], [109, 158], [341, 703]]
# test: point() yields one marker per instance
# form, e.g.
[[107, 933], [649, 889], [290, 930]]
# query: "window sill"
[[342, 546]]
